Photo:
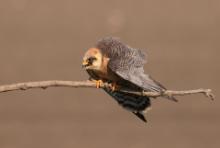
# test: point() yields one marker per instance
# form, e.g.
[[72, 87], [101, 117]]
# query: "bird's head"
[[92, 59]]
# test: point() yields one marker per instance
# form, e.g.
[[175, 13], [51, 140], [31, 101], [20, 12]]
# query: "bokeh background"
[[46, 39]]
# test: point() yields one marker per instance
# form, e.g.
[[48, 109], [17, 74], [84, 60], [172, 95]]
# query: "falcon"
[[111, 61]]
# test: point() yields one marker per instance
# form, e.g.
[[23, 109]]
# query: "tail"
[[132, 102], [140, 116]]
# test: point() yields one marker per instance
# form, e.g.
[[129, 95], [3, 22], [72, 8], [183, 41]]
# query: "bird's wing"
[[127, 63], [130, 67], [137, 77], [127, 68]]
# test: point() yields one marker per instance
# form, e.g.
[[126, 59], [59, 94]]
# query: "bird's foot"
[[114, 86], [98, 83]]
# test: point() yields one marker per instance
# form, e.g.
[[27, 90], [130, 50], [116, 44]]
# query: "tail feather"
[[140, 116], [132, 102]]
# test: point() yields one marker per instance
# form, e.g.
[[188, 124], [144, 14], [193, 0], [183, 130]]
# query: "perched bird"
[[111, 61]]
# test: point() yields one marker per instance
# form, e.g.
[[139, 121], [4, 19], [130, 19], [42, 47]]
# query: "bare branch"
[[76, 84]]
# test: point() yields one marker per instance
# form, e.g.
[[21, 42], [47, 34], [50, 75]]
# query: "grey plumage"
[[126, 68], [128, 64]]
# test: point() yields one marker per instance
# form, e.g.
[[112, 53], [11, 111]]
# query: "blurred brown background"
[[46, 39]]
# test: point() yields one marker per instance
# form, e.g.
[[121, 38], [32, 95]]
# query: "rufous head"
[[92, 59]]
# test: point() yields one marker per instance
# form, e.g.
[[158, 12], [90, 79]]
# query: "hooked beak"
[[85, 63]]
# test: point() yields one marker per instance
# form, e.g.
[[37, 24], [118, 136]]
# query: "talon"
[[98, 83]]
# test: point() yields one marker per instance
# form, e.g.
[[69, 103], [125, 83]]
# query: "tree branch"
[[76, 84]]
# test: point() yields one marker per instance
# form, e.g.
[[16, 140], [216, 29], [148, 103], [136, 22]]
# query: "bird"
[[116, 63]]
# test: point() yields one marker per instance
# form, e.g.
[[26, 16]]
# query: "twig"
[[76, 84]]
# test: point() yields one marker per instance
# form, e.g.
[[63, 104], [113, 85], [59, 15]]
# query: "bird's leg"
[[114, 86]]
